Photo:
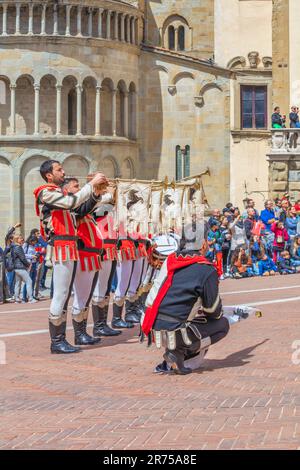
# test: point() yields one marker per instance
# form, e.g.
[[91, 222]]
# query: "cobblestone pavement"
[[246, 396]]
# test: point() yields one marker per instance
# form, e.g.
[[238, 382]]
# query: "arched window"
[[182, 162], [176, 33], [181, 42], [171, 32]]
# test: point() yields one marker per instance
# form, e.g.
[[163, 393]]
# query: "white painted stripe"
[[259, 290], [34, 332], [267, 302], [251, 304], [25, 311]]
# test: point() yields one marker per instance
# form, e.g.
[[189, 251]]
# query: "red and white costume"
[[58, 227]]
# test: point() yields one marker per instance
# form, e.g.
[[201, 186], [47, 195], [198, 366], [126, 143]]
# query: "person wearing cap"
[[184, 306]]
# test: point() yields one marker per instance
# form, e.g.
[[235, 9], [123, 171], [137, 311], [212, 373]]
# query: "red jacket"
[[90, 244], [281, 235]]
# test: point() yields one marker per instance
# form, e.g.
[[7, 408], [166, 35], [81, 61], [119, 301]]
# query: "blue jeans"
[[32, 274], [10, 276]]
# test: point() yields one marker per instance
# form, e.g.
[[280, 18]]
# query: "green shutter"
[[187, 161], [178, 163]]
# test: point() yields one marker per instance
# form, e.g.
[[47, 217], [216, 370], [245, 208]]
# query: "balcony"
[[285, 143]]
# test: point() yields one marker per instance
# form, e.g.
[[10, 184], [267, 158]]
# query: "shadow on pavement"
[[237, 359]]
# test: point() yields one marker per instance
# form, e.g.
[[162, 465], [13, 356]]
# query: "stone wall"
[[199, 20], [281, 45], [279, 177], [182, 105]]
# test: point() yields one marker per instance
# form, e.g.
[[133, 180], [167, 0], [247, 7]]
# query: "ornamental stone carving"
[[253, 59]]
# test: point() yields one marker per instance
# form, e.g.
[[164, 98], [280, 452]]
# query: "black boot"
[[142, 302], [175, 359], [59, 344], [81, 336], [101, 327], [117, 321], [131, 314]]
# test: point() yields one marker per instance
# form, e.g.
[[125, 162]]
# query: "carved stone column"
[[68, 20], [36, 109], [116, 32], [79, 8], [128, 29], [13, 108], [97, 111], [122, 27], [90, 27], [58, 109], [55, 20], [43, 20], [30, 21], [126, 122], [18, 7], [4, 20], [114, 112], [79, 120], [100, 12], [108, 17]]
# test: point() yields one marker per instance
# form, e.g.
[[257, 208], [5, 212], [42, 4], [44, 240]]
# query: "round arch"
[[76, 165], [127, 168], [5, 195], [48, 113], [30, 179], [25, 105], [107, 87], [109, 167], [4, 105]]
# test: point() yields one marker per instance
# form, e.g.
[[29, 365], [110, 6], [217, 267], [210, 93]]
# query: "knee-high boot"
[[131, 312], [117, 321], [81, 336], [59, 344], [101, 327]]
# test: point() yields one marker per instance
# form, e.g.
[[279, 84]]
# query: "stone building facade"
[[136, 88]]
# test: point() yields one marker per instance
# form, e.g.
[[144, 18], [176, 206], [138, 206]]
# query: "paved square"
[[246, 396]]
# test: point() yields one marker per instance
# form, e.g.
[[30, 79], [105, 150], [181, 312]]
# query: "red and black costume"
[[187, 284]]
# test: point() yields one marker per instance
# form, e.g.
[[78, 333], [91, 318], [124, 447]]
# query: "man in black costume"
[[184, 310]]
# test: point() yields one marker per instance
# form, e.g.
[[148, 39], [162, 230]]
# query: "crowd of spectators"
[[22, 267], [253, 243]]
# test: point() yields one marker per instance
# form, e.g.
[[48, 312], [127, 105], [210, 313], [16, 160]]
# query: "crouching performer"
[[184, 310]]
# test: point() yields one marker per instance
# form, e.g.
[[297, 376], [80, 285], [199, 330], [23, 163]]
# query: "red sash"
[[174, 262]]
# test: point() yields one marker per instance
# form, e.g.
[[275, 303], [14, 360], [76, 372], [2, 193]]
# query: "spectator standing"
[[216, 216], [251, 205], [278, 121], [280, 238], [238, 234], [268, 217], [225, 241], [294, 123], [285, 206], [291, 222], [277, 208], [21, 266], [249, 222], [10, 275], [32, 257]]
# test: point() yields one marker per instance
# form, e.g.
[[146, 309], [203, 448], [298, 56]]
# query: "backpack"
[[9, 260]]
